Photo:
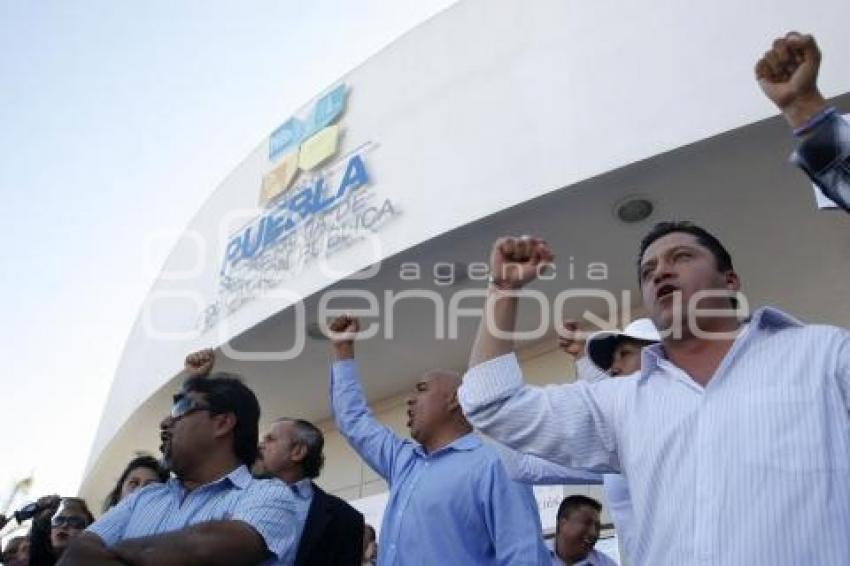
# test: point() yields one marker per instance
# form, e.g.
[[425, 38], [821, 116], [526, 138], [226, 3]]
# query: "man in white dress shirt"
[[726, 418]]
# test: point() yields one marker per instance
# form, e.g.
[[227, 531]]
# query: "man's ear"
[[733, 283], [298, 452], [224, 424], [454, 404]]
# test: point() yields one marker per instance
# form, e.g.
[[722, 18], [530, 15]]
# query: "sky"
[[117, 121]]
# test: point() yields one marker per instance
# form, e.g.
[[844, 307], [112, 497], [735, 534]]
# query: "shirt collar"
[[556, 560], [302, 488], [469, 441], [239, 478], [765, 319]]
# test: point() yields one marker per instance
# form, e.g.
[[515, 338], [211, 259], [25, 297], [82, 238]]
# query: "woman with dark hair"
[[141, 471], [56, 525]]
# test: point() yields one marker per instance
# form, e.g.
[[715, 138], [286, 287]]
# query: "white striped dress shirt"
[[753, 469]]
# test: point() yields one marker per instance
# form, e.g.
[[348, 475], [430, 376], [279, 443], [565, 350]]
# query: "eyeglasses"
[[184, 406], [71, 521]]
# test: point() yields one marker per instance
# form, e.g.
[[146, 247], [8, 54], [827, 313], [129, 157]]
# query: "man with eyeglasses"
[[292, 452], [213, 511]]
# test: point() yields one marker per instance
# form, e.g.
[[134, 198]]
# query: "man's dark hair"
[[573, 502], [311, 437], [703, 236], [225, 393]]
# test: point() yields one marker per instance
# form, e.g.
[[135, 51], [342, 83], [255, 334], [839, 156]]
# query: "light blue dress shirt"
[[302, 492], [753, 469], [453, 507], [266, 505]]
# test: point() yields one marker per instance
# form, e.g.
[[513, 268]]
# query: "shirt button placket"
[[704, 518]]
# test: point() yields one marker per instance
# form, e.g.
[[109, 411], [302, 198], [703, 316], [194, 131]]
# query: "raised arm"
[[787, 73], [41, 549], [618, 499], [528, 469], [571, 342], [511, 518], [572, 425], [374, 442], [825, 158], [513, 263], [199, 363]]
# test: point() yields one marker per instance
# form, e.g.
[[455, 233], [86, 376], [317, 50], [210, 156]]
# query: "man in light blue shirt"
[[451, 502], [213, 511], [725, 419]]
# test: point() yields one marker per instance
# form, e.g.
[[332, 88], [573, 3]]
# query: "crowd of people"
[[717, 439]]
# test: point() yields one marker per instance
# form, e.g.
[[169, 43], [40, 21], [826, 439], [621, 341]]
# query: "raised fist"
[[48, 504], [788, 71], [516, 261], [569, 341], [343, 329], [200, 362]]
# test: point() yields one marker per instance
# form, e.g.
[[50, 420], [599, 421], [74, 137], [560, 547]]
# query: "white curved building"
[[492, 118]]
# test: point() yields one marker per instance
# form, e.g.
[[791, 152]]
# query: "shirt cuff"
[[830, 142], [344, 365], [490, 381]]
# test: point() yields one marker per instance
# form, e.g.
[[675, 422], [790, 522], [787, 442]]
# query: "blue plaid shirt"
[[268, 506]]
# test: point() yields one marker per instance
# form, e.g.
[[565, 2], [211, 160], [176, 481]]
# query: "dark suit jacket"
[[333, 533]]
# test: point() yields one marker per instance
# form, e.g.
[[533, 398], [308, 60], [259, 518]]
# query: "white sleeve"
[[525, 468], [571, 425], [619, 502], [587, 371]]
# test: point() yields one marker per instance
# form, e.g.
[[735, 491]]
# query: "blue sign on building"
[[292, 132]]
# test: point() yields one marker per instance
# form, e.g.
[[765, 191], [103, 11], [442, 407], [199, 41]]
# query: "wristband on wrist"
[[815, 121], [502, 284]]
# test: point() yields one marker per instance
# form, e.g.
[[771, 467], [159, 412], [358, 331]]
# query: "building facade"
[[583, 123]]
